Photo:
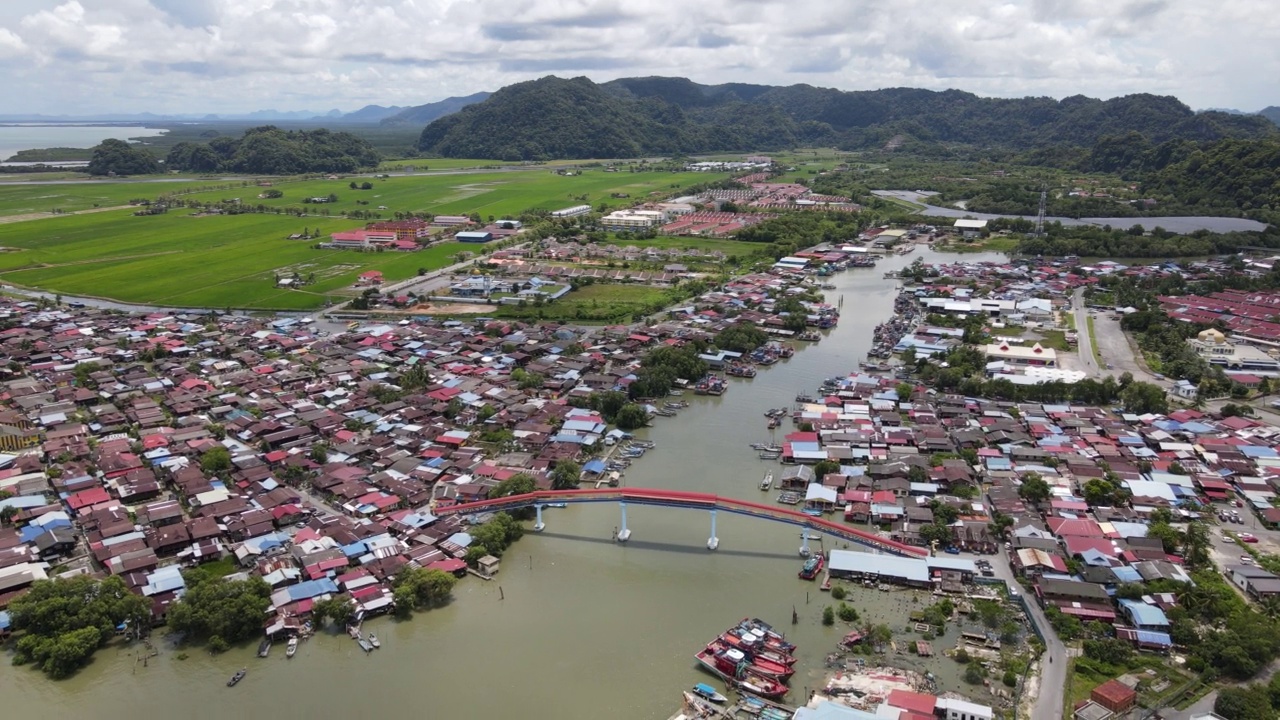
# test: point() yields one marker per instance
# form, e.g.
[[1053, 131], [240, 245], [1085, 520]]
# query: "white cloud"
[[234, 55]]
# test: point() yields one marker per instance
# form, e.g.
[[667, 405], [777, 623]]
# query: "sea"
[[27, 136]]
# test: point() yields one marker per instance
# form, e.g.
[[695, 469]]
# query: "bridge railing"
[[684, 499]]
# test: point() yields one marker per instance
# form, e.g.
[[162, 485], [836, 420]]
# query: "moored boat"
[[753, 660], [767, 482], [757, 646], [264, 647], [373, 640], [740, 676], [364, 645], [709, 693], [237, 677], [292, 648], [812, 566]]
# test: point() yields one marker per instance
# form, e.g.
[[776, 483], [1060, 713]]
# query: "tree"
[[1251, 702], [420, 588], [1034, 488], [974, 673], [566, 475], [936, 533], [1141, 398], [117, 157], [917, 474], [64, 621], [216, 461], [337, 608], [824, 468], [828, 616], [631, 416], [904, 390], [228, 610]]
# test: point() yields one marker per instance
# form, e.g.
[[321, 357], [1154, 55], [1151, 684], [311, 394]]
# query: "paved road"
[[1053, 664], [1084, 338], [1175, 224]]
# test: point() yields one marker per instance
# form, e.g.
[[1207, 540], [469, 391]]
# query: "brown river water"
[[575, 625]]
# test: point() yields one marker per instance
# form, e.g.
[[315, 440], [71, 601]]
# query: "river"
[[28, 136], [1177, 224], [588, 629]]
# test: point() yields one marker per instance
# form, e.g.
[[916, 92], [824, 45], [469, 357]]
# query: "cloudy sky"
[[196, 56]]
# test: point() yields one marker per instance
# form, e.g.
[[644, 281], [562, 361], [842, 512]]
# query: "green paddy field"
[[183, 260]]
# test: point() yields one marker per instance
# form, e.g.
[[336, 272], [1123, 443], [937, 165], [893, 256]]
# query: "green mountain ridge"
[[577, 118]]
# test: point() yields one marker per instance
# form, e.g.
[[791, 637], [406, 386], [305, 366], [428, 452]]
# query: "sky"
[[80, 57]]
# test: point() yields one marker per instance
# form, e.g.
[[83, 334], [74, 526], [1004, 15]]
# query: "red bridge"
[[687, 500]]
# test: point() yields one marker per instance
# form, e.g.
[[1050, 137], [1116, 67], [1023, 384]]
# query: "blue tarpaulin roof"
[[311, 588], [594, 466]]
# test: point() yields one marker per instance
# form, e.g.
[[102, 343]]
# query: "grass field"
[[599, 303], [496, 193], [728, 247], [177, 259], [218, 261], [23, 198]]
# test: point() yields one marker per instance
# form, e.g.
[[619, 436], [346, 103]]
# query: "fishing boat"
[[373, 640], [707, 692], [754, 645], [731, 672], [755, 662], [264, 647], [237, 677], [767, 455], [771, 636], [556, 505], [364, 645], [812, 567], [767, 482], [292, 649]]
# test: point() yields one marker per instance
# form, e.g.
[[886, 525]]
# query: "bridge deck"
[[686, 500]]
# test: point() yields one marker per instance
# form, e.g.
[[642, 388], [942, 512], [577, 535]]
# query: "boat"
[[790, 498], [755, 645], [767, 482], [264, 647], [353, 631], [755, 661], [293, 647], [726, 669], [373, 640], [556, 505], [764, 455], [812, 567], [364, 645], [707, 692], [237, 677]]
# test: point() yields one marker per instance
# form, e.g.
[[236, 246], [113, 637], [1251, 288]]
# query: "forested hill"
[[577, 118], [268, 150]]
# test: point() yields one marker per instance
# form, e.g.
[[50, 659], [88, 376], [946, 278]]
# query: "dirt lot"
[[451, 309]]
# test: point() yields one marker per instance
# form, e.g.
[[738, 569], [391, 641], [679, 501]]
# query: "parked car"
[[1247, 560], [953, 550], [1246, 537]]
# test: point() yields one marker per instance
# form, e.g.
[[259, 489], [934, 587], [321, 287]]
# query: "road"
[[1084, 338], [1053, 663]]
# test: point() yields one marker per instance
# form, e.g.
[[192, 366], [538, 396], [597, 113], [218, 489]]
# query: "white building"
[[1014, 355], [970, 228], [574, 211], [631, 219]]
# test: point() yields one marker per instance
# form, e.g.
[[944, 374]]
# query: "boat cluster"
[[368, 644], [710, 385], [669, 409], [752, 657]]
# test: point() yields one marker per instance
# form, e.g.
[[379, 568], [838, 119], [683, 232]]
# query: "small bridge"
[[689, 501]]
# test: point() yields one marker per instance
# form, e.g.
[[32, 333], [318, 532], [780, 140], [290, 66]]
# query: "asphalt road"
[[1084, 338], [1053, 663]]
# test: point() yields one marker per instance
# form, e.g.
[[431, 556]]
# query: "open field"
[[218, 261], [181, 260], [728, 247], [496, 193], [599, 303], [24, 198]]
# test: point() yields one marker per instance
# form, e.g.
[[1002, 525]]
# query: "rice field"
[[184, 260]]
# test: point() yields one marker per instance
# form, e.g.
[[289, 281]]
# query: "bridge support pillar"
[[623, 533], [804, 541], [539, 526], [713, 542]]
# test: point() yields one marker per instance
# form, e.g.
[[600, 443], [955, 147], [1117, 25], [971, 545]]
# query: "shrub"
[[838, 592], [961, 656], [1010, 679], [847, 613], [828, 616]]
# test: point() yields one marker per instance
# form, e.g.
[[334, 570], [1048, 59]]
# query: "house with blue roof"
[[1143, 616]]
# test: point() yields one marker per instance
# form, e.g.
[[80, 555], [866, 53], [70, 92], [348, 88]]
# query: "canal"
[[574, 626]]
